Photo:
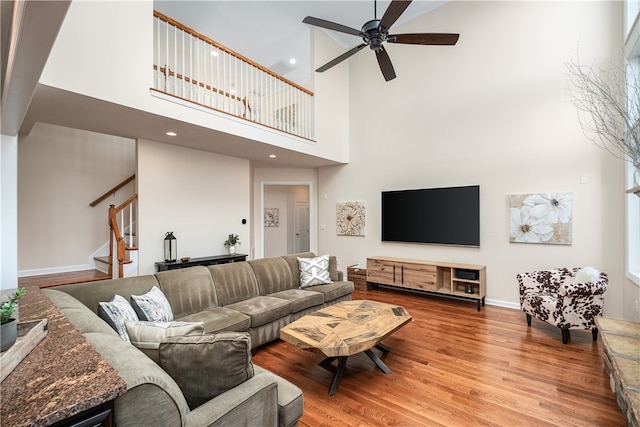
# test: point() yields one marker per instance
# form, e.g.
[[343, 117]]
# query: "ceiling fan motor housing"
[[374, 34]]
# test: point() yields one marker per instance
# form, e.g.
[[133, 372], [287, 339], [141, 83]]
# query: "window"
[[632, 50]]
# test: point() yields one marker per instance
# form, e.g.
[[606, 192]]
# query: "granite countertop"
[[62, 376]]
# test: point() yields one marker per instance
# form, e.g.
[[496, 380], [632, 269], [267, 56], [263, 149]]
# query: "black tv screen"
[[447, 216]]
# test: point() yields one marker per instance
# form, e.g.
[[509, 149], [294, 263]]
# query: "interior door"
[[301, 227]]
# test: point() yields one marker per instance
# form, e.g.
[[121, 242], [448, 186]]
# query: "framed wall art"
[[271, 217], [541, 218], [351, 218]]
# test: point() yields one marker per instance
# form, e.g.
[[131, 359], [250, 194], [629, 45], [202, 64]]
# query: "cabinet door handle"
[[402, 272], [394, 274]]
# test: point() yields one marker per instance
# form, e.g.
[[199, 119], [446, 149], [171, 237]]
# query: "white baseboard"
[[505, 304], [54, 270]]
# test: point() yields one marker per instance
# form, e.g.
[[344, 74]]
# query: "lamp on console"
[[170, 247]]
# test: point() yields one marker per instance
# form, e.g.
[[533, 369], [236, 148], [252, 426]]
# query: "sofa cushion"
[[273, 275], [219, 319], [314, 271], [334, 290], [300, 298], [290, 399], [104, 290], [208, 365], [189, 290], [161, 403], [115, 313], [147, 336], [263, 310], [234, 282], [152, 306]]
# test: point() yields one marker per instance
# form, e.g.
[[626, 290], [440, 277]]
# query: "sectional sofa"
[[240, 306]]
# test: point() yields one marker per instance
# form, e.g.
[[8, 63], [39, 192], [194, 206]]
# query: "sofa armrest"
[[254, 402]]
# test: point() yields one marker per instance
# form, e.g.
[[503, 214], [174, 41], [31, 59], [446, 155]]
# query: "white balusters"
[[195, 68]]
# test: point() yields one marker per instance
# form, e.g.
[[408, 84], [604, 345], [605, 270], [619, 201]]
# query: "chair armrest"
[[586, 289], [254, 402]]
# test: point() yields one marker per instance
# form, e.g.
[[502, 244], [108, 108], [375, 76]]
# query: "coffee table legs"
[[342, 361]]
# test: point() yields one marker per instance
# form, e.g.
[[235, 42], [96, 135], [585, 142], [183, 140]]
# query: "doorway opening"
[[286, 219]]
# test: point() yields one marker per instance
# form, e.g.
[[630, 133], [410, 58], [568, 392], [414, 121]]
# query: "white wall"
[[117, 66], [61, 171], [275, 238], [8, 211], [202, 197], [490, 111]]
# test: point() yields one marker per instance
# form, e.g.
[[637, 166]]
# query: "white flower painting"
[[351, 218], [541, 218]]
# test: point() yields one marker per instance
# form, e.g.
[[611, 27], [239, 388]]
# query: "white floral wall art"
[[351, 218], [541, 218], [271, 217]]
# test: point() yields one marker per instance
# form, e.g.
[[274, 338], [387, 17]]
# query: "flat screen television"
[[446, 216]]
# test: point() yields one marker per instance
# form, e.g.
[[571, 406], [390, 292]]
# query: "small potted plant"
[[9, 325], [231, 242]]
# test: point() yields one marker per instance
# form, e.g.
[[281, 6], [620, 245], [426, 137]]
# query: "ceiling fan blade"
[[332, 26], [425, 38], [341, 58], [385, 64], [393, 12]]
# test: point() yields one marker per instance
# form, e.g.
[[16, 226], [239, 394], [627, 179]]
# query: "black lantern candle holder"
[[170, 247]]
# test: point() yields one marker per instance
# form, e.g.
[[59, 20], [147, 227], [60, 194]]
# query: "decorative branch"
[[611, 101]]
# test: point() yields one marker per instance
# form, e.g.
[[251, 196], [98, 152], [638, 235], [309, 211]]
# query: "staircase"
[[121, 250]]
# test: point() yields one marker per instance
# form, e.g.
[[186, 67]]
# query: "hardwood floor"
[[48, 280], [454, 366]]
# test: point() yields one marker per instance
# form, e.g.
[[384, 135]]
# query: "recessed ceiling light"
[[273, 156], [292, 61], [170, 133]]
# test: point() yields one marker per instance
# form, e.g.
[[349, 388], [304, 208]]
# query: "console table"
[[63, 380], [447, 279], [209, 260]]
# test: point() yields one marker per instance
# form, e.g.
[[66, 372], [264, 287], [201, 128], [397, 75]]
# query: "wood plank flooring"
[[454, 366], [48, 280]]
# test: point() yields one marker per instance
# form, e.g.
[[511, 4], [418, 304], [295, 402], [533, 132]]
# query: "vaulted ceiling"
[[272, 33]]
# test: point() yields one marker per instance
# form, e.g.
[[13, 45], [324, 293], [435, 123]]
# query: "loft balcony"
[[191, 67]]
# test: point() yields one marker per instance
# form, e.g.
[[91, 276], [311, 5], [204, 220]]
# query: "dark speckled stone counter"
[[62, 376]]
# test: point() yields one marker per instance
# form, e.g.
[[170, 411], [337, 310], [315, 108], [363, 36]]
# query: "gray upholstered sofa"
[[251, 300]]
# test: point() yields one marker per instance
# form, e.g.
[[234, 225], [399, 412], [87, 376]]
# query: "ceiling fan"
[[375, 32]]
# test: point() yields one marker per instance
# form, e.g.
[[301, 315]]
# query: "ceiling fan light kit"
[[376, 32]]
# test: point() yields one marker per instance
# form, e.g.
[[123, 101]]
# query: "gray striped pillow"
[[115, 313], [152, 306]]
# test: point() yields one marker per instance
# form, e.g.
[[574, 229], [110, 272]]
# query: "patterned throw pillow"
[[152, 306], [314, 271], [115, 313], [147, 336]]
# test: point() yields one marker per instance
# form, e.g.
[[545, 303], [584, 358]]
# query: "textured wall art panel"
[[541, 218], [351, 218]]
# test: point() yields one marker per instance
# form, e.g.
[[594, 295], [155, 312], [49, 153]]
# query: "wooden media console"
[[452, 280]]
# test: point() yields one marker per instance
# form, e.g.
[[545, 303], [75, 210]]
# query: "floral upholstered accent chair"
[[555, 297]]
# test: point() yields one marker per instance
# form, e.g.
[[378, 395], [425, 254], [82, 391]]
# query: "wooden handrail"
[[206, 39], [126, 203], [117, 235], [179, 76], [112, 191]]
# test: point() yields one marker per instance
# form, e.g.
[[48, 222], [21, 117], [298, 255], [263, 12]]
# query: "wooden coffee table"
[[345, 329]]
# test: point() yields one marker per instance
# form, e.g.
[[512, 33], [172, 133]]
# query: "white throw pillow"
[[314, 271], [152, 306], [115, 313], [586, 275], [147, 336]]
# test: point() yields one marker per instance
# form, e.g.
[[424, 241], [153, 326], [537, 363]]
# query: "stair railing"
[[189, 66], [121, 219], [112, 191]]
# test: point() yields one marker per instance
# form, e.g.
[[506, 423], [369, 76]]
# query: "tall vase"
[[232, 249], [8, 334]]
